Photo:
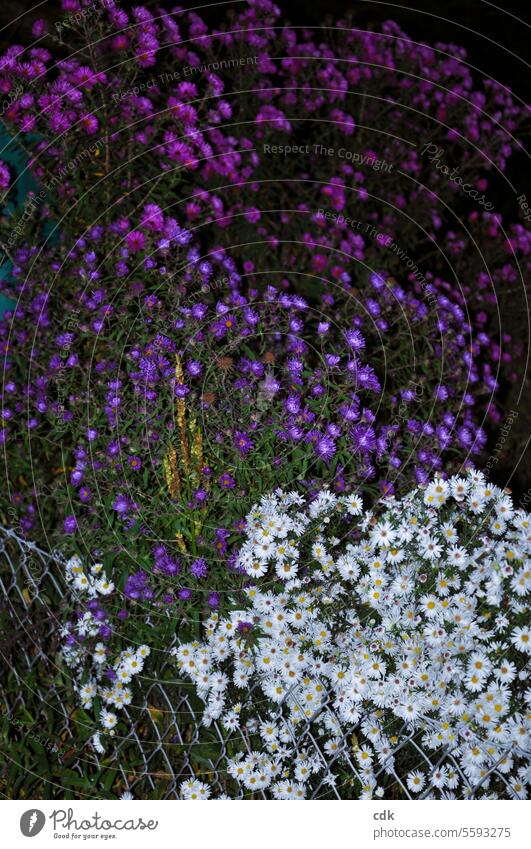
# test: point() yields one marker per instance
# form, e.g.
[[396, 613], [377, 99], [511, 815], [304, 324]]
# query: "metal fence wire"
[[167, 743]]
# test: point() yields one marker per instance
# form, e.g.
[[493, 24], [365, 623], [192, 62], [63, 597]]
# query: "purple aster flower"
[[181, 390], [355, 340], [221, 537], [194, 368], [70, 524], [363, 438], [185, 594], [64, 340], [293, 404], [121, 503], [243, 442], [350, 412], [214, 600], [199, 311], [226, 481], [199, 568], [245, 627], [76, 477], [152, 217], [270, 386], [295, 365], [295, 433], [135, 463], [167, 565], [325, 448], [137, 585], [339, 484], [333, 430], [85, 494]]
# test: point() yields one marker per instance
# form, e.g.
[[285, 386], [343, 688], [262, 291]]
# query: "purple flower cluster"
[[328, 352]]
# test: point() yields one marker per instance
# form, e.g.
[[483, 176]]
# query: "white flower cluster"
[[91, 660], [92, 584], [384, 653]]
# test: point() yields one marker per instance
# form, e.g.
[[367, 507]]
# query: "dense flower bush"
[[431, 353], [277, 268], [154, 369], [362, 629]]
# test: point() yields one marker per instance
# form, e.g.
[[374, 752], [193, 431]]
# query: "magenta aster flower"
[[135, 241], [152, 217]]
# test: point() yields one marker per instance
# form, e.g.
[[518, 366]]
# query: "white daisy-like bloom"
[[123, 675], [437, 493], [400, 633], [322, 504], [521, 639], [108, 719], [353, 503], [96, 743], [126, 796], [134, 665], [416, 781], [498, 526], [383, 534], [476, 501], [459, 488], [87, 693], [100, 653], [194, 790], [143, 651], [104, 587], [82, 582], [504, 508]]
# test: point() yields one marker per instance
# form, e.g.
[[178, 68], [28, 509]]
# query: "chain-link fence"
[[167, 743]]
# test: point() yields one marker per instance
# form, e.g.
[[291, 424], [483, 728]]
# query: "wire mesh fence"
[[167, 743]]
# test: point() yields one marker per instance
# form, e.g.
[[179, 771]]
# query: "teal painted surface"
[[6, 304], [14, 155]]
